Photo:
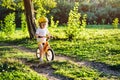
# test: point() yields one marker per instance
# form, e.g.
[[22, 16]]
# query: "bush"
[[1, 24], [115, 23], [24, 24], [73, 23], [53, 24], [83, 22], [9, 26]]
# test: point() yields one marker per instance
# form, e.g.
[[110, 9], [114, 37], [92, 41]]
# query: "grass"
[[9, 52], [101, 26], [12, 68], [93, 44], [72, 71], [101, 45]]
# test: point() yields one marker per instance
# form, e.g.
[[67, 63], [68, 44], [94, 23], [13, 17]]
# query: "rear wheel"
[[50, 55], [38, 53]]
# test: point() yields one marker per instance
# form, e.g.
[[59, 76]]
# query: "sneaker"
[[41, 60]]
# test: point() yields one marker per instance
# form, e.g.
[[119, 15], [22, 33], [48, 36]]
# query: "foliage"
[[24, 24], [19, 5], [83, 22], [1, 24], [9, 26], [97, 10], [53, 24], [5, 3], [101, 11], [73, 23], [43, 7], [115, 23], [61, 11]]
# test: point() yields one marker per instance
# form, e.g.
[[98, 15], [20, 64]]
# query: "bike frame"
[[46, 46]]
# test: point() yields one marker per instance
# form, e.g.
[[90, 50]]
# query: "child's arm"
[[48, 34], [36, 35]]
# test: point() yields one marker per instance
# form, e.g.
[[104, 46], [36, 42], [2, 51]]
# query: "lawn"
[[100, 45], [12, 67]]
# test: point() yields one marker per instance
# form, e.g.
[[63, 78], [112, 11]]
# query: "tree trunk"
[[29, 10]]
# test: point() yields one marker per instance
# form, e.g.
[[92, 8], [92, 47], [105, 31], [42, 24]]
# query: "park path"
[[45, 69]]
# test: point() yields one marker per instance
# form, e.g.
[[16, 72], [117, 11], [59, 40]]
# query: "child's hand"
[[49, 37]]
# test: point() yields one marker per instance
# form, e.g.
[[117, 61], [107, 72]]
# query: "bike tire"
[[49, 53], [38, 53]]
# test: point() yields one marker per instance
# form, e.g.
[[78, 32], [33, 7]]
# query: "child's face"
[[43, 25]]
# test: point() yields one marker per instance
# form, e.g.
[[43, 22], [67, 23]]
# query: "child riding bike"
[[42, 34]]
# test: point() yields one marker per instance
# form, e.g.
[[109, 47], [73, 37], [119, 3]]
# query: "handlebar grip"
[[41, 36]]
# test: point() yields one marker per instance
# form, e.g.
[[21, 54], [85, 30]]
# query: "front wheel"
[[50, 55]]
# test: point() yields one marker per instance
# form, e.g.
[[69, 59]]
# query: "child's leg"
[[45, 48], [41, 51]]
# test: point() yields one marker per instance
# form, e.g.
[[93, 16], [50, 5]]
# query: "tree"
[[29, 10]]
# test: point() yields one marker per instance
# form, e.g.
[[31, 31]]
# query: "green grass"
[[72, 71], [10, 52], [17, 35], [98, 44], [101, 26], [12, 68], [93, 45]]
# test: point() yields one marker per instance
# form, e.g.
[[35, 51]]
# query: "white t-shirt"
[[42, 32]]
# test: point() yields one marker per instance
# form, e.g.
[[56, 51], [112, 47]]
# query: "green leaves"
[[53, 24], [8, 4], [115, 23], [43, 7], [24, 23], [9, 27], [73, 23]]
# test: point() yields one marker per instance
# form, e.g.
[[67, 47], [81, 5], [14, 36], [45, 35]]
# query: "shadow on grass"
[[46, 68], [7, 50], [104, 68], [115, 67], [114, 52]]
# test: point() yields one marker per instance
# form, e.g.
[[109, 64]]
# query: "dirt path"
[[47, 71]]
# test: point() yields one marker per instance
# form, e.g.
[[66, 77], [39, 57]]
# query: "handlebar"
[[41, 36], [48, 37]]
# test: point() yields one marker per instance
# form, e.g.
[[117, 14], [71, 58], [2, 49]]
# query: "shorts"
[[40, 42]]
